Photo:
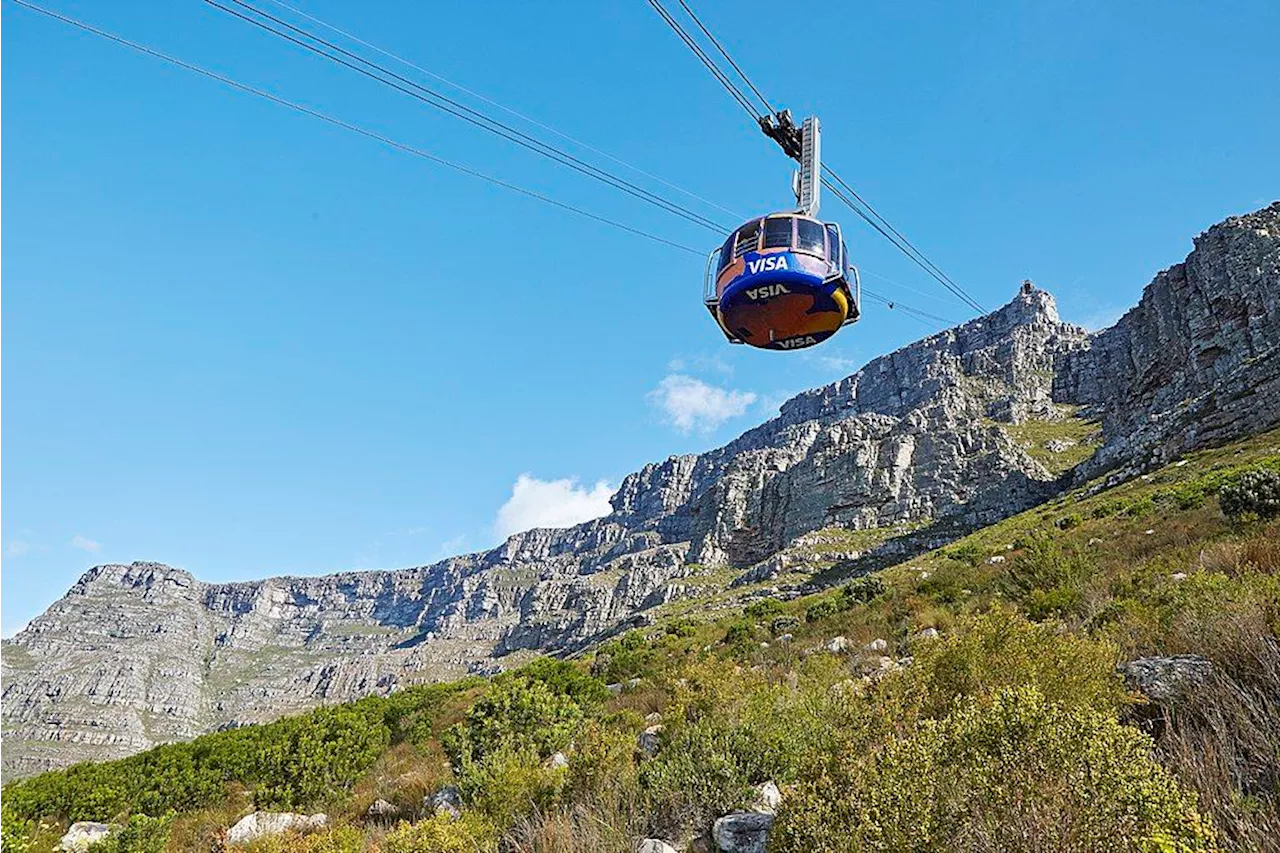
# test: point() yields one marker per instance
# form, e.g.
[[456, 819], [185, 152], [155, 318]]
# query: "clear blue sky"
[[241, 341]]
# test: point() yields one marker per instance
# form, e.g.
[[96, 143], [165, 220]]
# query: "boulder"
[[742, 832], [81, 834], [1168, 679], [260, 824], [838, 645], [928, 633], [650, 739], [767, 797], [445, 801], [654, 845], [558, 761], [382, 810], [877, 645]]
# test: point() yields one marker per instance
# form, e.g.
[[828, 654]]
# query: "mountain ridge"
[[919, 446]]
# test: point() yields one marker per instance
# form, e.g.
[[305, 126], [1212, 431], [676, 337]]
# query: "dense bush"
[[864, 589], [1253, 494], [442, 834], [141, 834], [1002, 775], [290, 763], [516, 715], [15, 832]]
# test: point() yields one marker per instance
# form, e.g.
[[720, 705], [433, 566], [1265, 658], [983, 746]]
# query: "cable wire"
[[924, 261], [412, 150], [509, 110], [345, 125], [852, 200], [729, 85], [768, 108], [459, 110]]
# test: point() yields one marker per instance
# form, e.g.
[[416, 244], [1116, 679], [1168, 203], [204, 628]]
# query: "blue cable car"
[[784, 281]]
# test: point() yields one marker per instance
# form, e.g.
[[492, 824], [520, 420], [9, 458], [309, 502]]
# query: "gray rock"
[[838, 645], [140, 654], [382, 810], [928, 634], [654, 845], [742, 832], [767, 797], [448, 800], [260, 824], [81, 834], [650, 740], [1167, 680], [877, 645], [558, 761]]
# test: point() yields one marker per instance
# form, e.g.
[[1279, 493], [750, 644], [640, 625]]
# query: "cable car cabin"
[[782, 282]]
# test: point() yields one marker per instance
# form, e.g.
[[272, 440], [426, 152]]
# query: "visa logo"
[[772, 262], [796, 343], [767, 292]]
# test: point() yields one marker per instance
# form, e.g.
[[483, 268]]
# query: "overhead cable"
[[457, 109], [509, 110], [345, 125]]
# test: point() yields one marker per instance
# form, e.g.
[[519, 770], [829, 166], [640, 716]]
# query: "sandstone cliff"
[[953, 432]]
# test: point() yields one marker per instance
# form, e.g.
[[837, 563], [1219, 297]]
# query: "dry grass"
[[1224, 743], [575, 829]]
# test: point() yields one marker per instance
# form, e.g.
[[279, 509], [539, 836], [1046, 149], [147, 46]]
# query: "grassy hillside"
[[965, 700]]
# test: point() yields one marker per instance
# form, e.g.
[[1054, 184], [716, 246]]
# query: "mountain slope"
[[951, 433]]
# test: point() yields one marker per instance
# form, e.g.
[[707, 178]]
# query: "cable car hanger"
[[783, 281]]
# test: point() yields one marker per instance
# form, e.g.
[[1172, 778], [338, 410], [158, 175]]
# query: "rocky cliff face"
[[953, 432]]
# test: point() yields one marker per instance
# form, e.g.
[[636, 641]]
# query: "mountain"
[[951, 433]]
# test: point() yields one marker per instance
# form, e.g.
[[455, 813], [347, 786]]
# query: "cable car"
[[784, 281]]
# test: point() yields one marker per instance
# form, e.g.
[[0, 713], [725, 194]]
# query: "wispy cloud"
[[551, 503], [17, 548], [84, 543], [701, 363], [453, 547], [690, 404]]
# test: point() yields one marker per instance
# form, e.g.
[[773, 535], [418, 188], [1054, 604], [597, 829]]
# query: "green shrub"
[[470, 833], [1048, 578], [739, 632], [863, 589], [996, 776], [782, 624], [823, 609], [141, 834], [565, 679], [15, 832], [508, 783], [1000, 650], [765, 608], [342, 839], [517, 714], [1252, 494]]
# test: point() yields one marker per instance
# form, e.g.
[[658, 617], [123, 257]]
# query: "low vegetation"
[[967, 700]]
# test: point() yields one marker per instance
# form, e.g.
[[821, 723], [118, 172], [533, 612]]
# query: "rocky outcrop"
[[1167, 680], [916, 448], [82, 835], [1197, 361], [260, 824]]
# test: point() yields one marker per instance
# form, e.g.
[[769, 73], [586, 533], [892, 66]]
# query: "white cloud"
[[701, 363], [453, 547], [551, 503], [690, 404], [84, 543], [15, 548]]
